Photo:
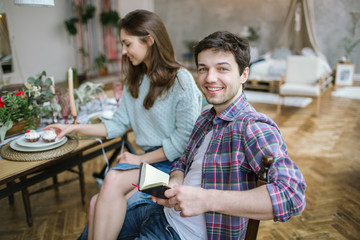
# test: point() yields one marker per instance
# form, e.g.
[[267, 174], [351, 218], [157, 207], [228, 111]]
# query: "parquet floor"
[[326, 149]]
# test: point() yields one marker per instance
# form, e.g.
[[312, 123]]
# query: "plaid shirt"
[[233, 159]]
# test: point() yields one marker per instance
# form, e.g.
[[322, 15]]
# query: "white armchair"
[[305, 76]]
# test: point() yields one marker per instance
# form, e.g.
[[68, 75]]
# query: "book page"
[[151, 176]]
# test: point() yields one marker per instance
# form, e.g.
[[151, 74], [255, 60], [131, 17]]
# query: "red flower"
[[20, 94], [2, 103]]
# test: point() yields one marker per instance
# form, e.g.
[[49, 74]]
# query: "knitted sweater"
[[168, 123]]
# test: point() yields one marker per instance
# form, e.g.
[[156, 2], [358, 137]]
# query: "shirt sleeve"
[[187, 111], [286, 183]]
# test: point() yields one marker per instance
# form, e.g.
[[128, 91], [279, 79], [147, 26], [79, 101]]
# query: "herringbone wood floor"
[[326, 149]]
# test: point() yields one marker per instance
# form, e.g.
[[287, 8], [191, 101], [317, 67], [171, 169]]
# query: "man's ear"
[[244, 76], [150, 40]]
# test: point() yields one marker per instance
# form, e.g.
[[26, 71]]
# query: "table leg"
[[55, 182], [11, 197], [82, 183], [26, 200]]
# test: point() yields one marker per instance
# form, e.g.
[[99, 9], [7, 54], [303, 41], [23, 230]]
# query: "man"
[[213, 185]]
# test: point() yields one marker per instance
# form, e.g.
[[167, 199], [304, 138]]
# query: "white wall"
[[126, 6], [39, 40], [193, 20]]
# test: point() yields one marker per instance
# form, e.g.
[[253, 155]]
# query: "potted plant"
[[110, 18], [22, 110], [349, 46], [100, 62], [88, 92], [79, 25]]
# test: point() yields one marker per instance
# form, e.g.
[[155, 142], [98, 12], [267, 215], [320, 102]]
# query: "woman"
[[161, 103]]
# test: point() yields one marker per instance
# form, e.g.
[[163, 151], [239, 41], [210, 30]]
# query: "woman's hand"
[[130, 158], [61, 129]]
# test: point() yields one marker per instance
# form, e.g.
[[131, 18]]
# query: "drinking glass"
[[117, 89], [64, 102]]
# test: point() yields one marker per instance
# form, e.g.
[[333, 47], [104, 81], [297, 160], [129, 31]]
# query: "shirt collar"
[[240, 104]]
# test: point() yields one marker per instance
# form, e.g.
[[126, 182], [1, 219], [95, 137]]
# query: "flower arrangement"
[[36, 100], [88, 92]]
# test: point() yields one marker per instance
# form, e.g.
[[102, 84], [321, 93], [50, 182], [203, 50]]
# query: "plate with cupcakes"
[[33, 141]]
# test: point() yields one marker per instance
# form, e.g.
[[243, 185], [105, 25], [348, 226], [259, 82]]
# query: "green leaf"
[[31, 80], [37, 82], [48, 82], [70, 26], [8, 124]]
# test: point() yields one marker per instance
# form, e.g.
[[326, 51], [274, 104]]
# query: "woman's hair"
[[163, 69], [227, 42]]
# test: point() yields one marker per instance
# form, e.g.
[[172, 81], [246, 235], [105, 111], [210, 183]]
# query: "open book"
[[152, 180]]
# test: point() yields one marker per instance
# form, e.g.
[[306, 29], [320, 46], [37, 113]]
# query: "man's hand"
[[189, 200], [130, 158]]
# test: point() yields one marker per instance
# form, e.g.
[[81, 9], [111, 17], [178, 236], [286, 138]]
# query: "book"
[[153, 181]]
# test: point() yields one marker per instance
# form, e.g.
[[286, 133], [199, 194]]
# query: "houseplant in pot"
[[101, 64], [21, 110]]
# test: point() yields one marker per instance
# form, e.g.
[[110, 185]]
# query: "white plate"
[[14, 145], [21, 141]]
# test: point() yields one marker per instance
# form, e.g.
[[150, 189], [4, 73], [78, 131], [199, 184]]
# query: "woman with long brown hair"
[[161, 103]]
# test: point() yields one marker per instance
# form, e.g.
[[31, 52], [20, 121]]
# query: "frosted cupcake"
[[32, 136], [49, 136]]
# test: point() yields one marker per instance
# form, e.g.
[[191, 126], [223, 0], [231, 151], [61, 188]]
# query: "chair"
[[253, 225], [127, 145], [304, 77]]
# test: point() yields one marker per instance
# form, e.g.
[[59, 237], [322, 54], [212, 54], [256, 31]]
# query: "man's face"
[[219, 78]]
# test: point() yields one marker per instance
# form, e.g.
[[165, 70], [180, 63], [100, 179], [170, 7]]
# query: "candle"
[[71, 94]]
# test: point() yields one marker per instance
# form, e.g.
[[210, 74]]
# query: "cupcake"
[[49, 136], [32, 136]]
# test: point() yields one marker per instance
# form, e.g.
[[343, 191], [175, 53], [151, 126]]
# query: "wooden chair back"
[[253, 225]]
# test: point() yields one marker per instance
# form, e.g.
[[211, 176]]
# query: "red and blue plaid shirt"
[[241, 136]]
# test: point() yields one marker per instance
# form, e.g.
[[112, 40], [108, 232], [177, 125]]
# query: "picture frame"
[[344, 74]]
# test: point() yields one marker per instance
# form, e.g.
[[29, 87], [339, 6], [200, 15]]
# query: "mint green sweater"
[[168, 123]]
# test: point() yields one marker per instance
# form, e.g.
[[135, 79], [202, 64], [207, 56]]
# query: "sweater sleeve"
[[188, 108], [120, 122]]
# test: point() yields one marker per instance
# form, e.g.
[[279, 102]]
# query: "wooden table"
[[18, 176]]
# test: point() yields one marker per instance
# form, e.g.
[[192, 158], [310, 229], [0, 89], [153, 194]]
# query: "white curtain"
[[299, 28]]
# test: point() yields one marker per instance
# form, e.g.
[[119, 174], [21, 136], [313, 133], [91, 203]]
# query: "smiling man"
[[213, 185], [215, 179]]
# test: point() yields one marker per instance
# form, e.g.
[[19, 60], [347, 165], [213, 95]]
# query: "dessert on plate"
[[49, 135], [32, 136]]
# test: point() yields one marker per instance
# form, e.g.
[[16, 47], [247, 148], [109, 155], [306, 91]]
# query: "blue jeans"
[[145, 221], [139, 199]]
